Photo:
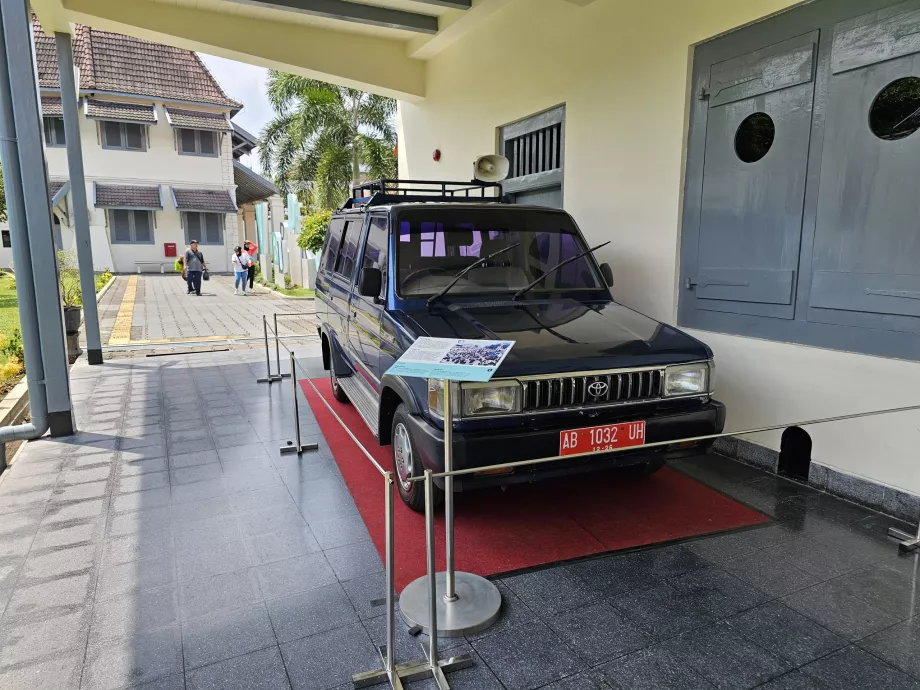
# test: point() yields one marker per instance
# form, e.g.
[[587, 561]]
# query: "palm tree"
[[321, 135]]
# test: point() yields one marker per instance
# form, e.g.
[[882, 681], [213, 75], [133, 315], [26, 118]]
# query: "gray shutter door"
[[751, 206], [866, 264]]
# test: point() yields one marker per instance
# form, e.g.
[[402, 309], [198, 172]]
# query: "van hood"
[[560, 335]]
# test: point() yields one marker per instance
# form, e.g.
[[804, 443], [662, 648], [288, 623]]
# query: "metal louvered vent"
[[535, 152], [601, 389]]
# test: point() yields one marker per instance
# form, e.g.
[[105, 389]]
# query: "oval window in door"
[[895, 112], [754, 137]]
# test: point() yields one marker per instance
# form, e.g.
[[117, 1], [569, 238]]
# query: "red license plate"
[[596, 439]]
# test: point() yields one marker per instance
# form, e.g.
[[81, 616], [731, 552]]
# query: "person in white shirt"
[[241, 262]]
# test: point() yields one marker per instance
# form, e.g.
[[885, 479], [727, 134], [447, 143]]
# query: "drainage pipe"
[[25, 279]]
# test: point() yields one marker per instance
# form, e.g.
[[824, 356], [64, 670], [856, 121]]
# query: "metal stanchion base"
[[476, 608], [411, 671], [291, 447], [909, 542], [274, 378]]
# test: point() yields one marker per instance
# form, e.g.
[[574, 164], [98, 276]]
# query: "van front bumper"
[[484, 448]]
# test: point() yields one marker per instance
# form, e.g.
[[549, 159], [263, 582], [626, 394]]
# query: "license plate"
[[596, 439]]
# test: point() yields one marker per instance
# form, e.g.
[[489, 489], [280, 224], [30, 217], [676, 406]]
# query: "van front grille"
[[602, 389]]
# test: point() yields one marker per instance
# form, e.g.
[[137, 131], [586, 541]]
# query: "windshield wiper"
[[469, 268], [557, 267]]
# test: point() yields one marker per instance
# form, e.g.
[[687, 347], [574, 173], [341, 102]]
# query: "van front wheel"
[[406, 464]]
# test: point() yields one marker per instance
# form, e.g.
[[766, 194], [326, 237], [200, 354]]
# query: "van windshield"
[[434, 244]]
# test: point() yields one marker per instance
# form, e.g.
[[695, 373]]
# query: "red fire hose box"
[[169, 248]]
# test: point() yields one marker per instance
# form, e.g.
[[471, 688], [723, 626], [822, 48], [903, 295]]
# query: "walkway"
[[169, 543], [145, 309]]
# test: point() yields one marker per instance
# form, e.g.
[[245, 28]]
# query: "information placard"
[[452, 359]]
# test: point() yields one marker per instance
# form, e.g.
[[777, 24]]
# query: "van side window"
[[375, 249], [345, 262], [333, 241]]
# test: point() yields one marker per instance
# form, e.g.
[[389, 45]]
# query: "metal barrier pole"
[[909, 542], [279, 375], [450, 593], [391, 580], [290, 446], [268, 362], [432, 573]]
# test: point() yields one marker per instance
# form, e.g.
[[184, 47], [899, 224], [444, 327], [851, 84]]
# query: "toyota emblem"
[[597, 389]]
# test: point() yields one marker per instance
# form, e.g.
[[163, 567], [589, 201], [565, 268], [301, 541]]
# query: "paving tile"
[[58, 563], [243, 452], [32, 641], [354, 560], [134, 576], [727, 547], [589, 680], [137, 546], [886, 588], [282, 544], [62, 595], [329, 659], [272, 519], [725, 658], [794, 680], [135, 454], [86, 475], [134, 613], [180, 460], [194, 446], [212, 560], [294, 575], [852, 668], [898, 645], [197, 491], [142, 481], [152, 519], [62, 536], [277, 497], [599, 633], [527, 656], [724, 594], [196, 473], [81, 492], [216, 507], [513, 612], [133, 660], [261, 670], [786, 633], [312, 612], [144, 466], [61, 673], [140, 500], [129, 442], [551, 590], [777, 575], [665, 611], [830, 605], [219, 593], [225, 635]]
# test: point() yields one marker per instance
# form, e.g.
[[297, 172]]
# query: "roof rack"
[[379, 192]]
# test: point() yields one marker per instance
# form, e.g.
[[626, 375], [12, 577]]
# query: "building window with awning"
[[197, 142], [131, 226], [54, 132], [126, 136], [207, 228]]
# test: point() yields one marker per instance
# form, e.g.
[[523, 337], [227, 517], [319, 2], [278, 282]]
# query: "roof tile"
[[123, 112], [124, 64], [125, 196], [51, 107], [212, 200]]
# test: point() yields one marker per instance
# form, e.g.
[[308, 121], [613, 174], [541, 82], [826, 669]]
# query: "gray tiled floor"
[[169, 545]]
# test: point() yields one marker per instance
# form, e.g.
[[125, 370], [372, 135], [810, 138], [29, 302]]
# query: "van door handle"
[[354, 315]]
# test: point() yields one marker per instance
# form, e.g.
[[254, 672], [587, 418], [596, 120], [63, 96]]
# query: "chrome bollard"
[[296, 446], [391, 583], [268, 361], [279, 375], [432, 574]]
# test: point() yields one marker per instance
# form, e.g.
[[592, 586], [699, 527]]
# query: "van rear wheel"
[[407, 464]]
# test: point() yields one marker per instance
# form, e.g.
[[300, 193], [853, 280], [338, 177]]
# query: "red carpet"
[[529, 524]]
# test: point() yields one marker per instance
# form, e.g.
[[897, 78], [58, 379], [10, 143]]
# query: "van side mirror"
[[370, 282], [607, 272]]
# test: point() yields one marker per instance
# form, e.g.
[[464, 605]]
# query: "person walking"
[[194, 265], [241, 262], [251, 248]]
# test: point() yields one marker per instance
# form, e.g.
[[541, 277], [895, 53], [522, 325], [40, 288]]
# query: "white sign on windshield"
[[452, 359]]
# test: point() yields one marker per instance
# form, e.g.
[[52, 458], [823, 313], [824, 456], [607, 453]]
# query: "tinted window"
[[375, 249], [436, 244], [207, 228], [111, 135], [206, 141], [333, 240], [345, 263], [54, 131], [187, 141]]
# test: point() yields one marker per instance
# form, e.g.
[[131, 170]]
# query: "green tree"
[[320, 136]]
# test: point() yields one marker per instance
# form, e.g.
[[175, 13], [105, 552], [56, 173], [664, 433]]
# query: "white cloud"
[[246, 84]]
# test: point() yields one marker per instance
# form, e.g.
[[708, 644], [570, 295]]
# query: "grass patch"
[[296, 292]]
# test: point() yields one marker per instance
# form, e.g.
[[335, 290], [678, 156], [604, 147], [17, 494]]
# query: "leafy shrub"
[[287, 281], [11, 369], [11, 345], [69, 269], [313, 231]]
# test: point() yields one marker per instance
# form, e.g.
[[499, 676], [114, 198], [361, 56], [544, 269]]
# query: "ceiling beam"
[[354, 12], [369, 63], [454, 25], [453, 4]]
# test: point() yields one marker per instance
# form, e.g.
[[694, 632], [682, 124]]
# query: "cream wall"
[[621, 69], [161, 165]]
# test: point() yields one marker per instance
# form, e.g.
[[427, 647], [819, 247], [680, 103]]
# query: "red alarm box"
[[169, 248]]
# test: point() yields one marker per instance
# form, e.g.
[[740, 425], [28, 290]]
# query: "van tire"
[[412, 493], [337, 391]]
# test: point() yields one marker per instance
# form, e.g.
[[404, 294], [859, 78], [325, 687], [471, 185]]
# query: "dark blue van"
[[585, 374]]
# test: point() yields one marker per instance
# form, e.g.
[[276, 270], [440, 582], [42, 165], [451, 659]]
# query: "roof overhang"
[[115, 111], [203, 200], [197, 119], [127, 197], [250, 186]]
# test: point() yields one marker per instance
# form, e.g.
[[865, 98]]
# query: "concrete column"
[[27, 117], [78, 197]]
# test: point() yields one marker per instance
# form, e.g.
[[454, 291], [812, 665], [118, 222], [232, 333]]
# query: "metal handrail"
[[658, 444]]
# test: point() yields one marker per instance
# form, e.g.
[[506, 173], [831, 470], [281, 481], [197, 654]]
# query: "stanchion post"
[[390, 577], [279, 375], [268, 362], [296, 446], [909, 541], [432, 573], [450, 592]]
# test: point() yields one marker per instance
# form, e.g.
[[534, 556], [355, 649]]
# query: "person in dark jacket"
[[194, 266]]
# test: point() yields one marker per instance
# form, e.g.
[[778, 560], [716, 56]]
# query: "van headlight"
[[687, 379], [494, 398], [436, 398]]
